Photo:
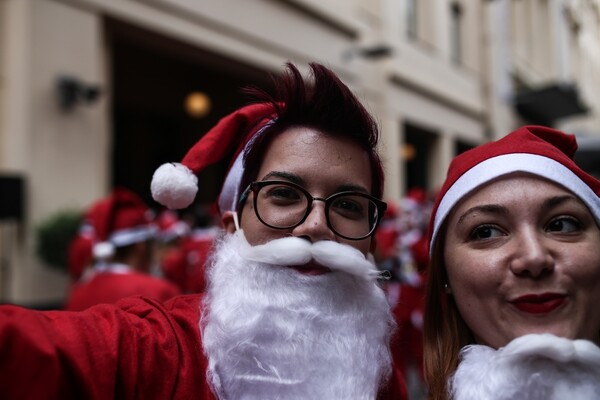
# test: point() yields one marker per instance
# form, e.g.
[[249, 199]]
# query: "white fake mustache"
[[293, 251]]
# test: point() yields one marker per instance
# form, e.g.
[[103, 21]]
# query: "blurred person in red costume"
[[387, 239], [408, 297], [123, 235], [80, 255], [293, 309], [169, 255], [183, 262], [514, 281], [170, 230]]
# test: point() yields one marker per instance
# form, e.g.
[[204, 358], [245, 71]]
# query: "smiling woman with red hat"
[[514, 282]]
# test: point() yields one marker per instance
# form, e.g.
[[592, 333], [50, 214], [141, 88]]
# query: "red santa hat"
[[121, 219], [175, 185], [79, 252], [536, 150], [417, 194], [170, 226]]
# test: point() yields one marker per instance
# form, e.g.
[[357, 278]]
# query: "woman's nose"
[[533, 256], [314, 227]]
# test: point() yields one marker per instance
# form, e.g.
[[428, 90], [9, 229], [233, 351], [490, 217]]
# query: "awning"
[[547, 104]]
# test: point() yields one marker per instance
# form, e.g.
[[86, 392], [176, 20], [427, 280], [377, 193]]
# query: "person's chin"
[[311, 268]]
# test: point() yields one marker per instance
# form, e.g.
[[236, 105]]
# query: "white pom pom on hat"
[[536, 150], [175, 185]]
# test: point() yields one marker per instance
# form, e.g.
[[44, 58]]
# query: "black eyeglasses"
[[285, 205]]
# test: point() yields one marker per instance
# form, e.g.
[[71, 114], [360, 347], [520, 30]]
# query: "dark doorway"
[[419, 141], [151, 77], [461, 146]]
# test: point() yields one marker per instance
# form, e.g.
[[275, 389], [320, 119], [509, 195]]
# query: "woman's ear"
[[229, 219]]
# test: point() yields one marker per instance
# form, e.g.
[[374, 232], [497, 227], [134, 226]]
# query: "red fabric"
[[407, 344], [79, 255], [174, 267], [139, 349], [136, 349], [229, 135], [197, 249], [121, 210], [185, 265], [108, 287], [386, 237]]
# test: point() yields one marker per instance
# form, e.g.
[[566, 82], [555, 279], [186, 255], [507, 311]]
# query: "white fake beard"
[[531, 367], [271, 332]]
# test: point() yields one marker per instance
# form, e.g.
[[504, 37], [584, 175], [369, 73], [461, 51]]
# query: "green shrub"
[[53, 236]]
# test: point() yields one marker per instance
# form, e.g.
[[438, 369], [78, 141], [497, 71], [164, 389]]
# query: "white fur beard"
[[531, 367], [270, 332]]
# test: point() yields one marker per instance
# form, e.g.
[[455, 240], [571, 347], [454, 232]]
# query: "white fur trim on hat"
[[174, 185], [125, 237], [230, 192], [495, 167]]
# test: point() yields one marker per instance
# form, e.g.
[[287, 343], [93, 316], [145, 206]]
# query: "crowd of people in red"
[[123, 249], [402, 251]]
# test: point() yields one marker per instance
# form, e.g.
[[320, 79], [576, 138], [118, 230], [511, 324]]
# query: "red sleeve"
[[136, 349]]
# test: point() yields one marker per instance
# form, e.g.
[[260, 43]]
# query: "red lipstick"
[[539, 303]]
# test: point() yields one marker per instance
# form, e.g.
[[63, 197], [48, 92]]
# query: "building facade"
[[92, 92]]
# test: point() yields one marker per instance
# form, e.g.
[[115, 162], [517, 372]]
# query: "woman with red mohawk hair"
[[293, 308], [514, 283]]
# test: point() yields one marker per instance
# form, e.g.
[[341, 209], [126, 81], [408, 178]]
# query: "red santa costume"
[[185, 264], [407, 346], [121, 219], [79, 253], [259, 332]]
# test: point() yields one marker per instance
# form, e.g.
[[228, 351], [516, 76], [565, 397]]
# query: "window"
[[411, 19], [456, 22], [418, 153]]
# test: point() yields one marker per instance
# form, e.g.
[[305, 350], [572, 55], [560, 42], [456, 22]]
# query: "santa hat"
[[536, 150], [174, 185], [79, 252], [121, 219], [170, 226], [417, 195]]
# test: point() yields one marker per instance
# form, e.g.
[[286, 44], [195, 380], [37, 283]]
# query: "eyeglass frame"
[[255, 186]]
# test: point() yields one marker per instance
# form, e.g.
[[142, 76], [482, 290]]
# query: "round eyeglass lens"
[[352, 215], [280, 205]]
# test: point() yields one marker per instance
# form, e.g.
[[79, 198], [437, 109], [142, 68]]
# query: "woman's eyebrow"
[[558, 200], [485, 208]]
